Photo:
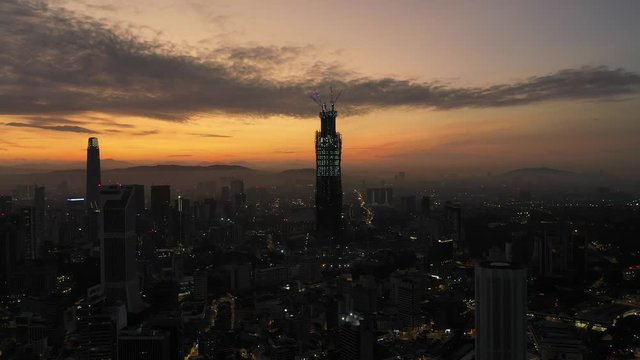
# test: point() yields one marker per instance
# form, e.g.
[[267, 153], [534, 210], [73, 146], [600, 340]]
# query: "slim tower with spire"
[[328, 175], [93, 173], [92, 197]]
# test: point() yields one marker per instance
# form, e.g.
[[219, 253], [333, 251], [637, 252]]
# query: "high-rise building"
[[118, 242], [93, 173], [39, 215], [552, 252], [355, 340], [501, 302], [425, 207], [453, 223], [144, 344], [138, 197], [97, 326], [28, 232], [9, 249], [380, 196], [5, 205], [92, 196], [161, 211], [328, 175]]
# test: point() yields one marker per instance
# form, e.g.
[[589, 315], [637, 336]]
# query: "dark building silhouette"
[[453, 223], [328, 175], [10, 253], [97, 325], [28, 232], [39, 216], [143, 344], [355, 340], [161, 211], [138, 198], [92, 196], [380, 196], [118, 242], [5, 205], [501, 302], [425, 207], [93, 173]]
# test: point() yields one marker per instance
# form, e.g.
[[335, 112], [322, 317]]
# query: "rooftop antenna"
[[333, 101], [315, 96], [338, 96]]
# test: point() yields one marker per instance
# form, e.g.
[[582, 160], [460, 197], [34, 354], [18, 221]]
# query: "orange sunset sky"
[[462, 86]]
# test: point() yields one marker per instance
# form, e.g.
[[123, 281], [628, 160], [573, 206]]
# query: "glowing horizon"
[[519, 85]]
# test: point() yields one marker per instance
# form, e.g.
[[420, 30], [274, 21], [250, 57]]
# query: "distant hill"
[[542, 171], [554, 179], [304, 172], [185, 168], [110, 164], [179, 175]]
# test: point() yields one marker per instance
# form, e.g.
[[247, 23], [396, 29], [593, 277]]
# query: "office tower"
[[28, 232], [453, 223], [9, 250], [425, 206], [408, 204], [5, 205], [356, 340], [410, 293], [551, 252], [182, 220], [160, 202], [209, 209], [40, 209], [93, 174], [161, 211], [237, 187], [144, 344], [328, 174], [31, 329], [225, 193], [407, 292], [96, 326], [380, 196], [138, 198], [200, 285], [92, 197], [578, 254], [172, 323], [501, 301], [118, 270]]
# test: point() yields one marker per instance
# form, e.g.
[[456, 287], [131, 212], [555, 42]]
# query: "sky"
[[432, 86]]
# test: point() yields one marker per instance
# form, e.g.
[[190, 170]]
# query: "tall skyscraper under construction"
[[328, 175]]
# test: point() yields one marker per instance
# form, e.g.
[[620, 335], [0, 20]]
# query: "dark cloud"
[[66, 128], [211, 135], [83, 65], [115, 124], [146, 132], [53, 121]]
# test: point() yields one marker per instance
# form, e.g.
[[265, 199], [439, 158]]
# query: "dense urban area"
[[227, 263]]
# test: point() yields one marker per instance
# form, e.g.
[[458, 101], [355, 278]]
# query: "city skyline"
[[516, 85]]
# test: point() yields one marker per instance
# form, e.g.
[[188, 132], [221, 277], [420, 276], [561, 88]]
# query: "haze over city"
[[438, 87]]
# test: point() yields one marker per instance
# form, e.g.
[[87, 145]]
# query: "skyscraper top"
[[93, 142]]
